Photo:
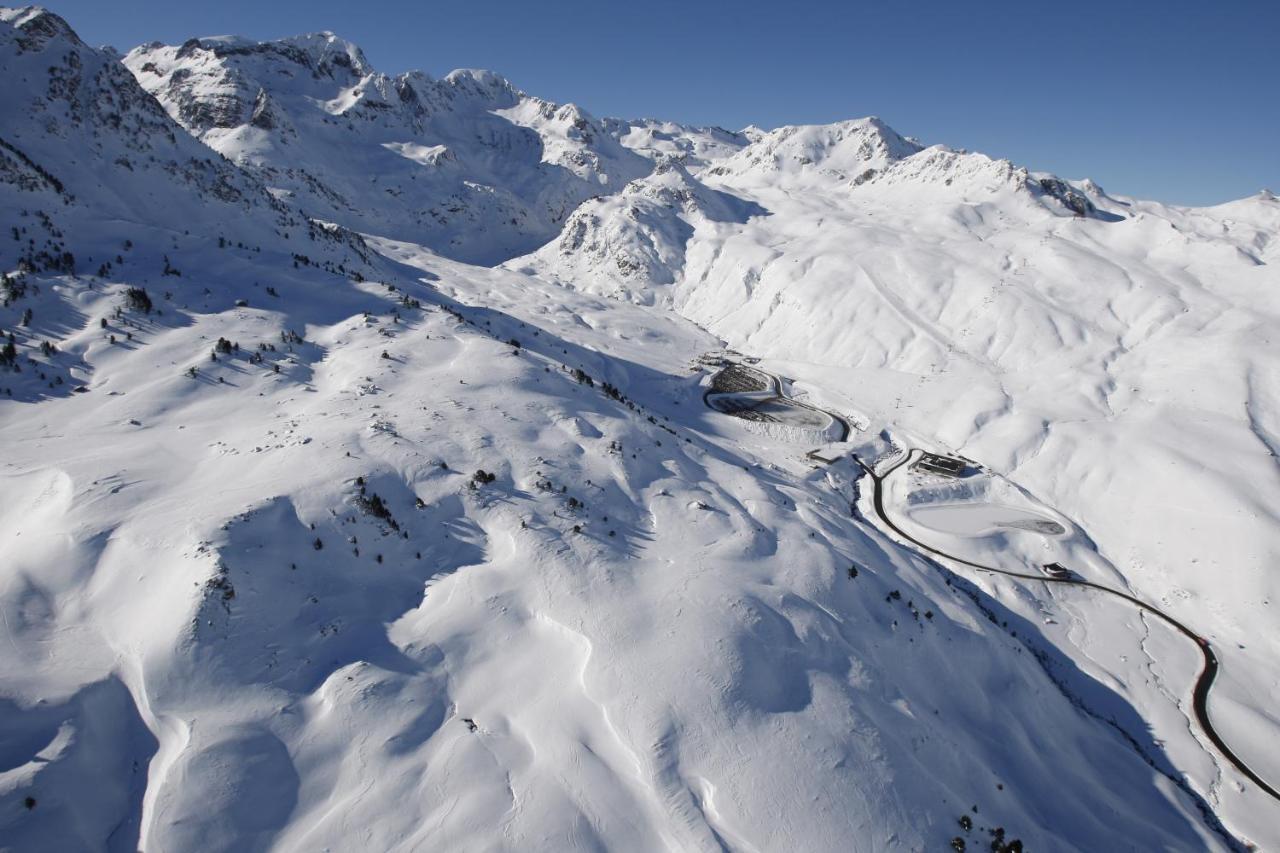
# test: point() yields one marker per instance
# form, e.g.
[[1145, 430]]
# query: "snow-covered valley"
[[373, 479]]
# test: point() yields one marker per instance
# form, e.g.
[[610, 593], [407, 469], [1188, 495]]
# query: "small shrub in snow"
[[137, 299], [374, 505]]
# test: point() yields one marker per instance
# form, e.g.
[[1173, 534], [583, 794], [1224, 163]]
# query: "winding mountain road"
[[1209, 671]]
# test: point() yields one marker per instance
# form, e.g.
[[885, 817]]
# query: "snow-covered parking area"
[[756, 397]]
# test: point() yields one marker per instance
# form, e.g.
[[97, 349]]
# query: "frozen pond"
[[982, 519]]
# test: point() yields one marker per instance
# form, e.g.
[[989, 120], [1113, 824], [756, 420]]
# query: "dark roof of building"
[[943, 464]]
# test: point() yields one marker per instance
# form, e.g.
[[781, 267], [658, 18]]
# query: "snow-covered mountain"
[[319, 535], [467, 164], [848, 152], [1115, 356], [81, 133], [630, 244]]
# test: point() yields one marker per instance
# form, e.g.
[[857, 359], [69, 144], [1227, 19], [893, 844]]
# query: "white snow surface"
[[344, 542]]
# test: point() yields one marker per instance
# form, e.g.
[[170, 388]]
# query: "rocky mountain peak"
[[37, 27]]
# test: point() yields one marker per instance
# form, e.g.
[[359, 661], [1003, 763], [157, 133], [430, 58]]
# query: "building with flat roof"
[[1056, 571], [947, 466]]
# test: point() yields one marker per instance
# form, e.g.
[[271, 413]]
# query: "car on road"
[[1057, 571]]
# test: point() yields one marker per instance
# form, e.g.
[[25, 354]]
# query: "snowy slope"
[[348, 545], [629, 244], [1121, 364]]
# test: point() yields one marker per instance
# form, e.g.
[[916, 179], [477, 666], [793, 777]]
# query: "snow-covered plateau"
[[398, 463]]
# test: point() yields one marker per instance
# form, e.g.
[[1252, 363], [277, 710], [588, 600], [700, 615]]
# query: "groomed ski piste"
[[322, 531]]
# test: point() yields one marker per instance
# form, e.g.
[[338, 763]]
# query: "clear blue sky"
[[1175, 100]]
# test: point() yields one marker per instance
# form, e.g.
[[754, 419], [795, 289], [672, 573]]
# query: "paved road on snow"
[[1209, 671]]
